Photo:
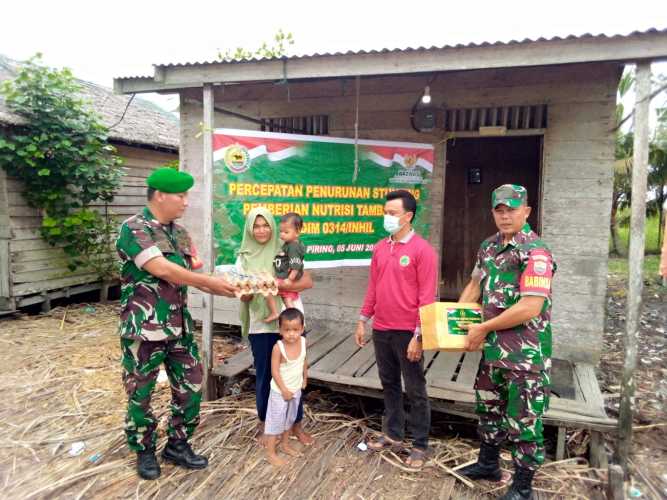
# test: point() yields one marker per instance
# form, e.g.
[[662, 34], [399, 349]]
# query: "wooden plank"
[[479, 80], [560, 443], [597, 454], [36, 255], [46, 275], [338, 356], [323, 347], [235, 365], [443, 367], [55, 262], [243, 360], [359, 361], [469, 367], [584, 374], [29, 288], [451, 400], [5, 289], [372, 371]]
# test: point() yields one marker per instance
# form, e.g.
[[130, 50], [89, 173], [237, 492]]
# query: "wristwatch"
[[417, 337]]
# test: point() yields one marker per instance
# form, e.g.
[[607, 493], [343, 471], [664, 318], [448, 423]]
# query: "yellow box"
[[441, 324]]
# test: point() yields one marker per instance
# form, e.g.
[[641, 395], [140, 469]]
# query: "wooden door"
[[475, 167]]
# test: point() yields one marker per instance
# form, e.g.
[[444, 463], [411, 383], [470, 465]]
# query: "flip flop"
[[384, 443], [416, 455]]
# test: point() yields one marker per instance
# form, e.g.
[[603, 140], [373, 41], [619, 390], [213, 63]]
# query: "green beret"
[[169, 180]]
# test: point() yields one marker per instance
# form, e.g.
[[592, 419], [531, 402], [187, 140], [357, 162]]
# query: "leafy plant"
[[65, 163], [281, 42]]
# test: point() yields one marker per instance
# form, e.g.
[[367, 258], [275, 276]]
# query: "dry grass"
[[62, 386]]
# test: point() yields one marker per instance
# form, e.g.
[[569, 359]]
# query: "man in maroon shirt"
[[402, 278]]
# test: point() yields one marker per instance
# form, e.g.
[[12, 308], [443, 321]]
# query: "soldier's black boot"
[[147, 465], [180, 453], [487, 464], [522, 485]]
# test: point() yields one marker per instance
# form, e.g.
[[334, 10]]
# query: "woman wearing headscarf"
[[259, 246]]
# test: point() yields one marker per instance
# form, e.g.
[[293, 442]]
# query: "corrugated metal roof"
[[585, 36]]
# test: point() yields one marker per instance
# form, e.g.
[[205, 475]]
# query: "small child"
[[289, 369], [288, 264]]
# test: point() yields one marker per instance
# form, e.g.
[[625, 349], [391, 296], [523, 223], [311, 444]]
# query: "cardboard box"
[[441, 324]]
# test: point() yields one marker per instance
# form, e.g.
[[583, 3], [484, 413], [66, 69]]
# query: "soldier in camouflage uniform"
[[513, 274], [157, 258]]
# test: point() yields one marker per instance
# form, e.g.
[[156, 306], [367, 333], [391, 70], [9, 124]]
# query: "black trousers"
[[391, 348]]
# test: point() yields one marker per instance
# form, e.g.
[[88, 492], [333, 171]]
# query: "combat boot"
[[486, 466], [147, 465], [180, 453], [521, 488]]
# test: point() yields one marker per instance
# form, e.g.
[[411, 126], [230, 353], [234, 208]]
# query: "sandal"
[[417, 459], [384, 443]]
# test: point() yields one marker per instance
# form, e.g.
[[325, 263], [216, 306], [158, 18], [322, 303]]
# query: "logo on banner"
[[407, 175], [237, 158], [410, 161]]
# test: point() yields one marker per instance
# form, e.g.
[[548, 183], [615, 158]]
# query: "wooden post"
[[615, 484], [635, 261], [208, 383], [663, 252]]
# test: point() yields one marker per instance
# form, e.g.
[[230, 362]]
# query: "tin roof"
[[387, 50], [650, 44]]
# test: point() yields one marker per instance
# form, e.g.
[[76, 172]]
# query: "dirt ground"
[[649, 459], [61, 426]]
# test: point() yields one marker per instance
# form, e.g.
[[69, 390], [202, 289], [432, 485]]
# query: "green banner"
[[342, 206]]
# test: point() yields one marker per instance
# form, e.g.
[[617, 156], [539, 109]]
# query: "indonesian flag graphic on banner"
[[273, 149], [386, 156]]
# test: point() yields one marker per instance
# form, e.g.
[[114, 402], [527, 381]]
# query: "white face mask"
[[392, 224]]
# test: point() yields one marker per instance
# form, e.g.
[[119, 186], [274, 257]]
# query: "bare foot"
[[271, 318], [288, 450], [303, 437], [275, 460], [260, 437]]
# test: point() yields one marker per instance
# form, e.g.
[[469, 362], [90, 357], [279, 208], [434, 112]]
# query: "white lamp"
[[426, 97]]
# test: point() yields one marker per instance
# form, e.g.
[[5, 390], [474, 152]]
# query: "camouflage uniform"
[[511, 389], [155, 328]]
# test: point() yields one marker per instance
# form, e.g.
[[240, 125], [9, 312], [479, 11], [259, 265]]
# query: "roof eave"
[[651, 46]]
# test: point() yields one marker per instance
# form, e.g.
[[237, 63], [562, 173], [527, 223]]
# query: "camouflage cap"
[[169, 180], [511, 195]]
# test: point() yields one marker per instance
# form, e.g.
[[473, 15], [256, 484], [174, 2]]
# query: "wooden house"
[[535, 112], [32, 271]]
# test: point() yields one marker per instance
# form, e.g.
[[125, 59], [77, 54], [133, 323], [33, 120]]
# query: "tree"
[[622, 168], [657, 174], [64, 161]]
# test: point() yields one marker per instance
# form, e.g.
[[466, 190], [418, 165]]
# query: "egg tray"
[[252, 283]]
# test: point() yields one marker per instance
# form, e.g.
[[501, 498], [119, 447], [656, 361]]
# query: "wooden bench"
[[337, 362]]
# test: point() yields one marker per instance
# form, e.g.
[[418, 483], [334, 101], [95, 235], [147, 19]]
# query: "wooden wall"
[[577, 172], [5, 235], [35, 267]]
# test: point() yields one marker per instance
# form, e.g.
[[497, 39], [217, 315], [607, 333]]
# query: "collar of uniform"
[[405, 238], [518, 238], [148, 215]]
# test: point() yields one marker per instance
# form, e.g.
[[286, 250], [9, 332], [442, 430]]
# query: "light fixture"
[[426, 96]]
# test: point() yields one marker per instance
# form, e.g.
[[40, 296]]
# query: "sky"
[[103, 40]]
